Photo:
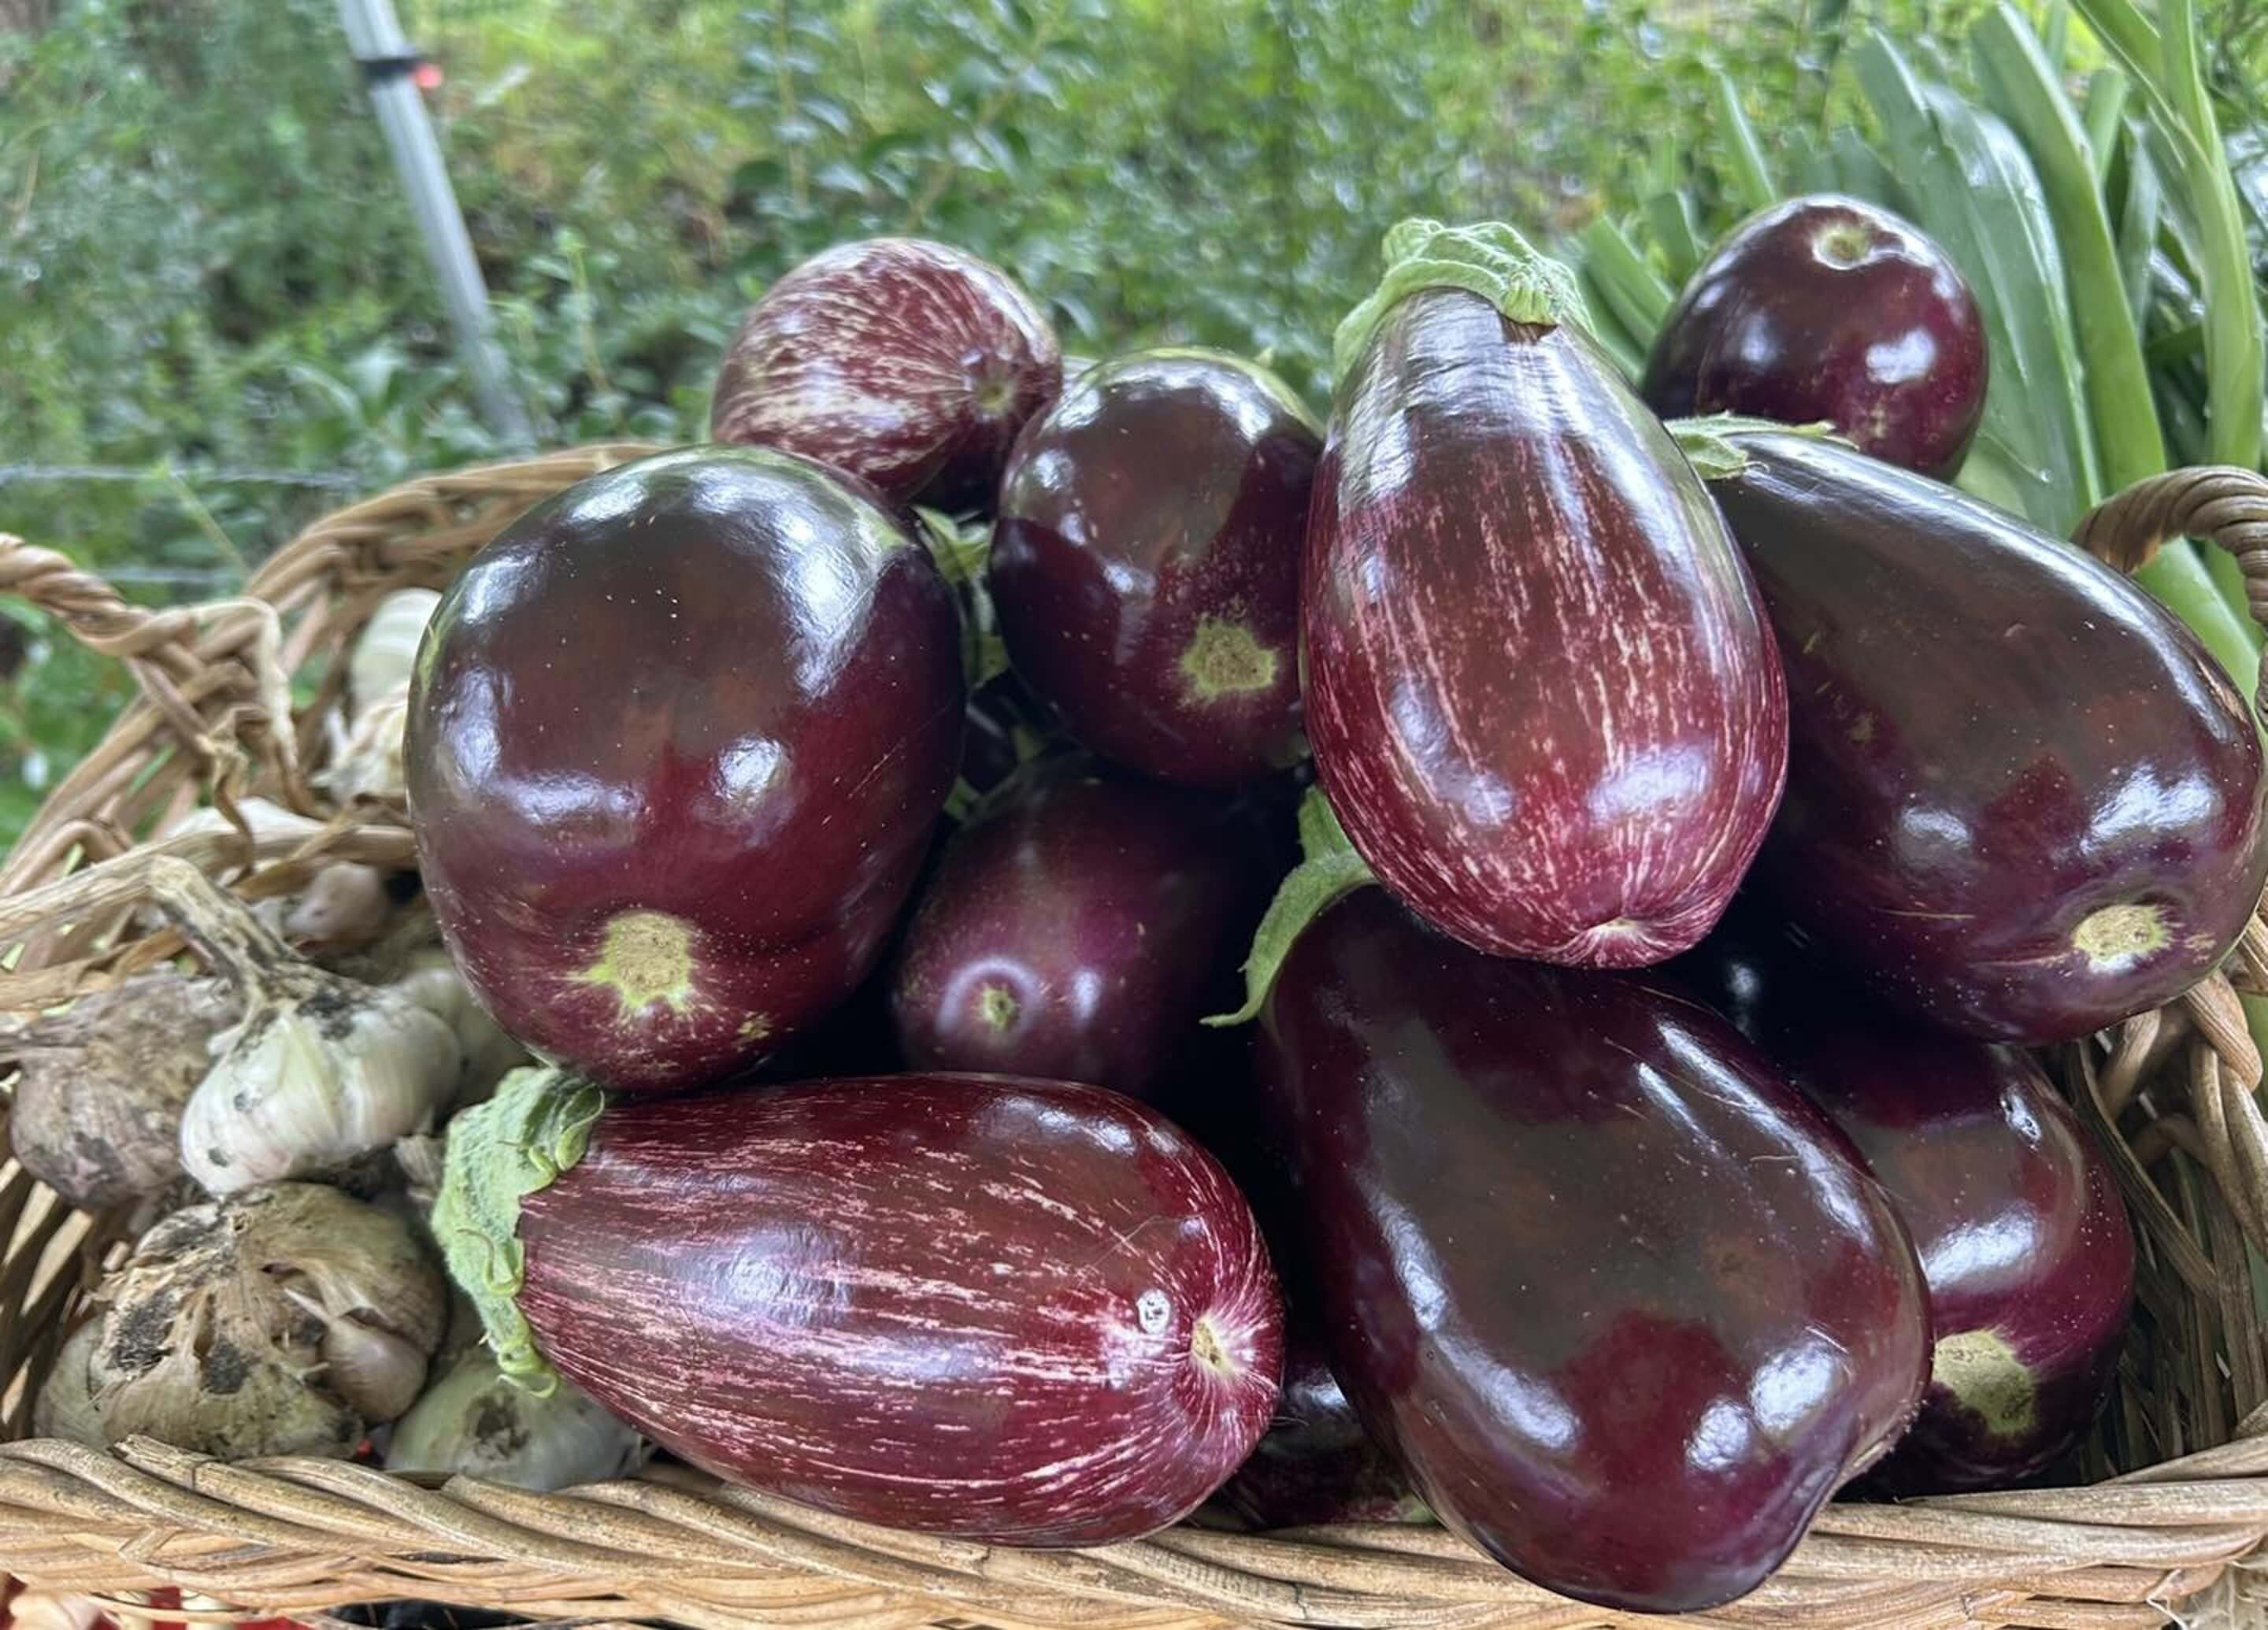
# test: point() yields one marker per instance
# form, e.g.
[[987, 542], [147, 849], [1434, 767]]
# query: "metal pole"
[[374, 34]]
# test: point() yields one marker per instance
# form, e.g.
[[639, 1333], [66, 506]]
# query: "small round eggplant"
[[2023, 802], [907, 363], [1021, 1312], [1543, 700], [1826, 308], [2014, 1212], [1145, 565], [677, 740], [1623, 1304], [1077, 932], [1316, 1464]]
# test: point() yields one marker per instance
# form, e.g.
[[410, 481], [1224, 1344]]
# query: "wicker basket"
[[2179, 1467]]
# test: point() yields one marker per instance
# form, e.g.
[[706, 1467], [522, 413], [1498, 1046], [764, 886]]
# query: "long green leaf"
[[2015, 70], [1677, 235], [2105, 110], [1749, 179], [2139, 213], [1605, 327], [1860, 172], [1974, 191]]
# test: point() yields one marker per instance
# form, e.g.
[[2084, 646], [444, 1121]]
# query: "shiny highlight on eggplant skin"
[[1019, 1312], [1542, 697], [1623, 1303]]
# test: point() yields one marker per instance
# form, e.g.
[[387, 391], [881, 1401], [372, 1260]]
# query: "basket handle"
[[2221, 503]]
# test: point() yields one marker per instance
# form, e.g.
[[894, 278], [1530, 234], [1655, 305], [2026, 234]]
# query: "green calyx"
[[536, 1127], [1709, 447], [1487, 259], [1328, 870]]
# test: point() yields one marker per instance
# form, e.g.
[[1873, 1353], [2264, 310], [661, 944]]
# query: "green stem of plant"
[[1750, 177], [2182, 584], [2106, 106], [1636, 294]]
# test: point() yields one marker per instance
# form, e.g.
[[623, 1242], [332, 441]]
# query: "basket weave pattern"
[[2179, 1493]]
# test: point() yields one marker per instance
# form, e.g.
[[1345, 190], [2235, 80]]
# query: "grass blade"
[[1749, 178], [2104, 113], [1633, 289], [1677, 235]]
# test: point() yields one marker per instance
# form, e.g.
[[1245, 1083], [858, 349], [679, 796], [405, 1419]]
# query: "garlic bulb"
[[367, 763], [321, 1071], [433, 983], [344, 904], [386, 650], [475, 1423], [65, 1405], [282, 1320], [102, 1084]]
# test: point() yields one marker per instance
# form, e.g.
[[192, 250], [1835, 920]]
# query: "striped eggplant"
[[906, 362], [677, 740], [1022, 1312], [1624, 1305], [2022, 800], [2015, 1211], [1542, 700], [1146, 566]]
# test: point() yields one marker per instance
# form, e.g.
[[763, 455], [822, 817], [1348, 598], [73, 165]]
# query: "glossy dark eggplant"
[[1020, 1312], [1542, 700], [1624, 1304], [1077, 931], [1830, 308], [909, 362], [2022, 800], [1146, 566], [676, 743], [1316, 1464], [2014, 1212]]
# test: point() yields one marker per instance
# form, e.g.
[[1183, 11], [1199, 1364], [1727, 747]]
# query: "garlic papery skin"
[[65, 1405], [321, 1071], [343, 905], [386, 650], [491, 1055], [241, 1328], [54, 1610], [472, 1422], [101, 1084], [367, 764]]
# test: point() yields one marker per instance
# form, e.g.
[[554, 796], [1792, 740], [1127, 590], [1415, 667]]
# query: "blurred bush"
[[209, 280]]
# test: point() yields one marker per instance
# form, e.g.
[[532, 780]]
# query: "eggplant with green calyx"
[[1542, 700], [1077, 930], [677, 742], [1829, 309], [2014, 1212], [2022, 800], [1022, 1312], [1146, 566], [1624, 1305], [907, 363]]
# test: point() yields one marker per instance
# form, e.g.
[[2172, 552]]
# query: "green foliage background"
[[208, 278]]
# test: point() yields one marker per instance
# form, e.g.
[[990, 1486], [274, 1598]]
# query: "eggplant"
[[910, 363], [2014, 1212], [1623, 1304], [2023, 801], [676, 742], [1020, 1312], [1316, 1464], [1076, 931], [1146, 564], [1542, 700], [1828, 308]]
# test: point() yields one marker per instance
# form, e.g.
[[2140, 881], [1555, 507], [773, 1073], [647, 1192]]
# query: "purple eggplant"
[[677, 740], [1828, 308], [1146, 566], [2022, 800], [1021, 1312], [1316, 1464], [1077, 931], [1624, 1305], [1542, 699], [2014, 1210], [907, 363]]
